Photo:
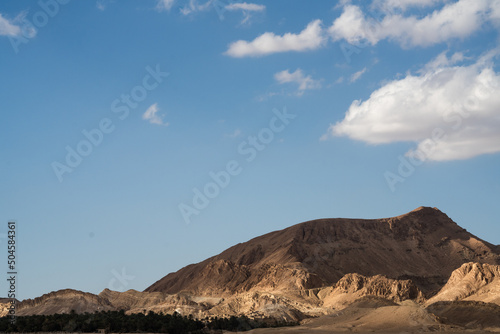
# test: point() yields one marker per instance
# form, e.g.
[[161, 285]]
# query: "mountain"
[[424, 245], [418, 271]]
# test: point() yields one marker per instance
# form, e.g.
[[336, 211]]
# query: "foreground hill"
[[64, 301], [424, 245]]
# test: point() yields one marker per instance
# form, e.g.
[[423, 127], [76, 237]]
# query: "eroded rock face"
[[379, 286]]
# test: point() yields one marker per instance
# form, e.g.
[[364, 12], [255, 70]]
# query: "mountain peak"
[[422, 243]]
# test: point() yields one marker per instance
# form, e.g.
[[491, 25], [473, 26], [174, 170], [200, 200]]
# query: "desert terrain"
[[418, 272]]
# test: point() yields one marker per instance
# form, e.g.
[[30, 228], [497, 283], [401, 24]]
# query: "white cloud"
[[298, 77], [311, 38], [451, 112], [251, 7], [246, 8], [458, 19], [8, 28], [151, 115], [357, 75], [164, 4]]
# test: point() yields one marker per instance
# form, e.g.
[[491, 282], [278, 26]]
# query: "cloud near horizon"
[[452, 112], [311, 38]]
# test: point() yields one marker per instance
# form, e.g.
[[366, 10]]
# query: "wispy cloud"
[[8, 28], [246, 8], [298, 77], [151, 115], [311, 38], [251, 7], [460, 102], [195, 6], [357, 75], [162, 5]]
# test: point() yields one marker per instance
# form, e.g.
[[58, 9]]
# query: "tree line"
[[119, 322]]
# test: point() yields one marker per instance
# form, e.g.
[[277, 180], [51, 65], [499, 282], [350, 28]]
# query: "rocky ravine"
[[318, 268]]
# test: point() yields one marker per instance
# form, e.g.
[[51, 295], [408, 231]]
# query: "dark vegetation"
[[119, 322]]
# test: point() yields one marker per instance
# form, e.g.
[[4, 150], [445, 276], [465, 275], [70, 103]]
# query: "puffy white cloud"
[[8, 28], [357, 75], [459, 19], [452, 112], [164, 4], [311, 38], [298, 77], [151, 115]]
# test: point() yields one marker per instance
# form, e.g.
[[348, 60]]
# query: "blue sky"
[[139, 137]]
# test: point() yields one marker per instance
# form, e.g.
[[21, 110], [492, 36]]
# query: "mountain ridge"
[[424, 242]]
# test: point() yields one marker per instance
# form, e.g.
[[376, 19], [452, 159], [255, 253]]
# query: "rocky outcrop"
[[379, 286], [473, 282], [352, 287]]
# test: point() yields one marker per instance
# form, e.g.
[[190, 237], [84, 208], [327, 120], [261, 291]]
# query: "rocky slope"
[[424, 245]]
